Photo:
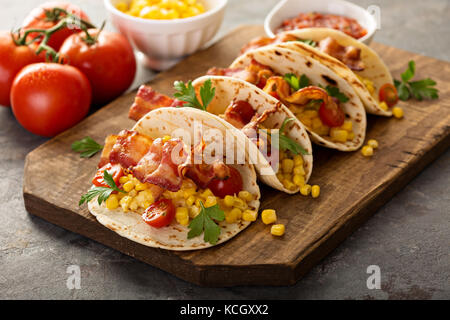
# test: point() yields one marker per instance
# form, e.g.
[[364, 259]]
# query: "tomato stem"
[[66, 20]]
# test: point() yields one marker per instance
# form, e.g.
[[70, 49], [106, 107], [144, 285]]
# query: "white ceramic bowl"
[[287, 9], [165, 42]]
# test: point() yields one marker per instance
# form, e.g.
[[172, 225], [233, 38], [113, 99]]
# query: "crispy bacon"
[[129, 148], [265, 41], [162, 164], [239, 73], [203, 174], [109, 143], [349, 55], [147, 100]]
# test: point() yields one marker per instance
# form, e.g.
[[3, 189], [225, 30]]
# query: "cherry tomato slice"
[[114, 170], [226, 187], [331, 114], [159, 214], [244, 110], [388, 93]]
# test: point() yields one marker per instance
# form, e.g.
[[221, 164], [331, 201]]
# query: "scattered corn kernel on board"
[[353, 187]]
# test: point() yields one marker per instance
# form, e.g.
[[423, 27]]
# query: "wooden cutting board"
[[352, 186]]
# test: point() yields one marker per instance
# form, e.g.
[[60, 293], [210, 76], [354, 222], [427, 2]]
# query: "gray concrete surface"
[[409, 238]]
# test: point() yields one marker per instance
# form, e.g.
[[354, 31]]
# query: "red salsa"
[[315, 20]]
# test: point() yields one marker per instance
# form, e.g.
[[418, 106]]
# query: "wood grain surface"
[[352, 186]]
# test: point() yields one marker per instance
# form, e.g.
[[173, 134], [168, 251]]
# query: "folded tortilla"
[[375, 69], [232, 89], [156, 124], [283, 61]]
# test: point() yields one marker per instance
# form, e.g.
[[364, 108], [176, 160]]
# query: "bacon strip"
[[147, 100], [129, 148], [349, 55], [109, 143]]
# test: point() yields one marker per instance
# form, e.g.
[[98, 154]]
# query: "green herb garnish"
[[102, 192], [87, 147], [335, 92], [187, 94], [204, 222], [295, 82], [309, 42], [287, 143], [418, 89]]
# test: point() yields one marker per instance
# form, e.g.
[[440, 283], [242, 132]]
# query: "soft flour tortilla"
[[229, 89], [375, 69], [155, 124], [284, 61]]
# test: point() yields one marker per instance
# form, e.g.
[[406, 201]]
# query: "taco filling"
[[159, 179], [316, 107]]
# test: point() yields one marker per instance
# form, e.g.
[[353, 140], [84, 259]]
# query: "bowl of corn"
[[165, 31]]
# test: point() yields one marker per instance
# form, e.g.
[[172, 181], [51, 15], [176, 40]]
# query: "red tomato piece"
[[228, 186], [109, 64], [331, 114], [12, 59], [37, 19], [114, 170], [388, 93], [159, 214], [48, 98], [244, 110]]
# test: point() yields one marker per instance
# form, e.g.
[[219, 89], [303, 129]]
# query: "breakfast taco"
[[285, 166], [352, 60], [282, 158], [324, 103], [164, 183]]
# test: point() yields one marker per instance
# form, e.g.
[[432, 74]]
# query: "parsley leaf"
[[187, 94], [87, 147], [335, 92], [418, 89], [102, 192], [204, 222], [295, 82], [309, 42], [287, 143]]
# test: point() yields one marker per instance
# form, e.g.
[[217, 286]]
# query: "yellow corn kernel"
[[210, 201], [190, 201], [207, 193], [397, 112], [166, 138], [299, 170], [188, 183], [306, 121], [372, 143], [140, 186], [367, 151], [122, 6], [128, 186], [282, 155], [315, 191], [288, 184], [383, 105], [123, 179], [239, 203], [125, 202], [147, 204], [338, 135], [311, 113], [233, 215], [268, 216], [134, 204], [299, 180], [249, 215], [182, 216], [316, 123], [287, 165], [280, 175], [245, 195], [193, 211], [132, 193], [197, 202], [347, 126], [277, 230], [228, 201], [189, 192], [305, 190], [112, 202], [298, 161]]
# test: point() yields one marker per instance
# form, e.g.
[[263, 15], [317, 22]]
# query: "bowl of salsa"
[[337, 14]]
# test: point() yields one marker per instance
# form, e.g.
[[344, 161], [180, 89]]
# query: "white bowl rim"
[[371, 29], [201, 16]]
